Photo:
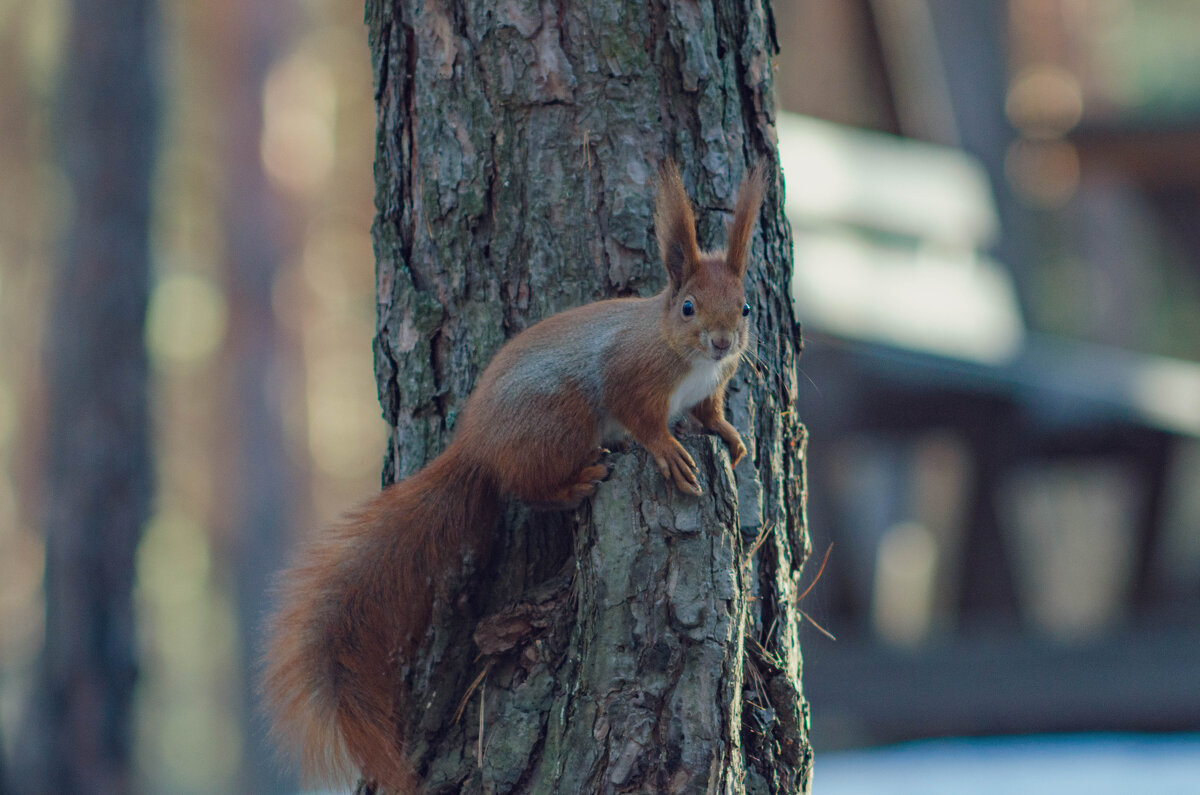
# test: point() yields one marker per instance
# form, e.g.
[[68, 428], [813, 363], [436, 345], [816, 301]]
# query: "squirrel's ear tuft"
[[749, 201], [675, 226]]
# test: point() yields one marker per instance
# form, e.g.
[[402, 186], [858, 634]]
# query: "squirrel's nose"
[[720, 343]]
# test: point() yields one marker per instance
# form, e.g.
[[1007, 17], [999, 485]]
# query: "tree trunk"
[[648, 641], [98, 472]]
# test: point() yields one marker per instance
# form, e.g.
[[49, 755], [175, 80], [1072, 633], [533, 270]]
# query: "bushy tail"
[[356, 603]]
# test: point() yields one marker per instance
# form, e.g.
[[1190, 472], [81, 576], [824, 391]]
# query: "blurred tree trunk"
[[647, 642], [255, 474], [98, 469]]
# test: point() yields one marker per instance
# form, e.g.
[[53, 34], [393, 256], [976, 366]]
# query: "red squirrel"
[[358, 602]]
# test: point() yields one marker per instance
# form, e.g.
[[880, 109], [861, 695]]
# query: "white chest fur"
[[699, 383]]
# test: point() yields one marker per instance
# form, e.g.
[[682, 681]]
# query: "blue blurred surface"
[[1038, 765]]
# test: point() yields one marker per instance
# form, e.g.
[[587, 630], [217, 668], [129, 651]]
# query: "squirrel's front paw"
[[733, 442], [676, 464], [737, 450]]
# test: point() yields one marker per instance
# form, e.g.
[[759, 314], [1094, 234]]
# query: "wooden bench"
[[914, 334]]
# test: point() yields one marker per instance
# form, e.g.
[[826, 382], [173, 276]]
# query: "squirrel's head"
[[706, 312]]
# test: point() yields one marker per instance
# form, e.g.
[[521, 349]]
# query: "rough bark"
[[78, 737], [648, 641]]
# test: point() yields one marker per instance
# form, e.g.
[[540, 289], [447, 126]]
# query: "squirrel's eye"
[[746, 310], [689, 309]]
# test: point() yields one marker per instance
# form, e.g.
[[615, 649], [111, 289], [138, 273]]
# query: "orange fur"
[[357, 604], [360, 595], [748, 201]]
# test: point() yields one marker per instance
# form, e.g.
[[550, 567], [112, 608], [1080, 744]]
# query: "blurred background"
[[996, 208], [258, 331]]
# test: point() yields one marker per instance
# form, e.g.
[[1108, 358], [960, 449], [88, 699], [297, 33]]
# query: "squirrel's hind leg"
[[549, 453], [579, 487]]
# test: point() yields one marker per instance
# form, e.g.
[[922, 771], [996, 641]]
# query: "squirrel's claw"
[[737, 450]]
